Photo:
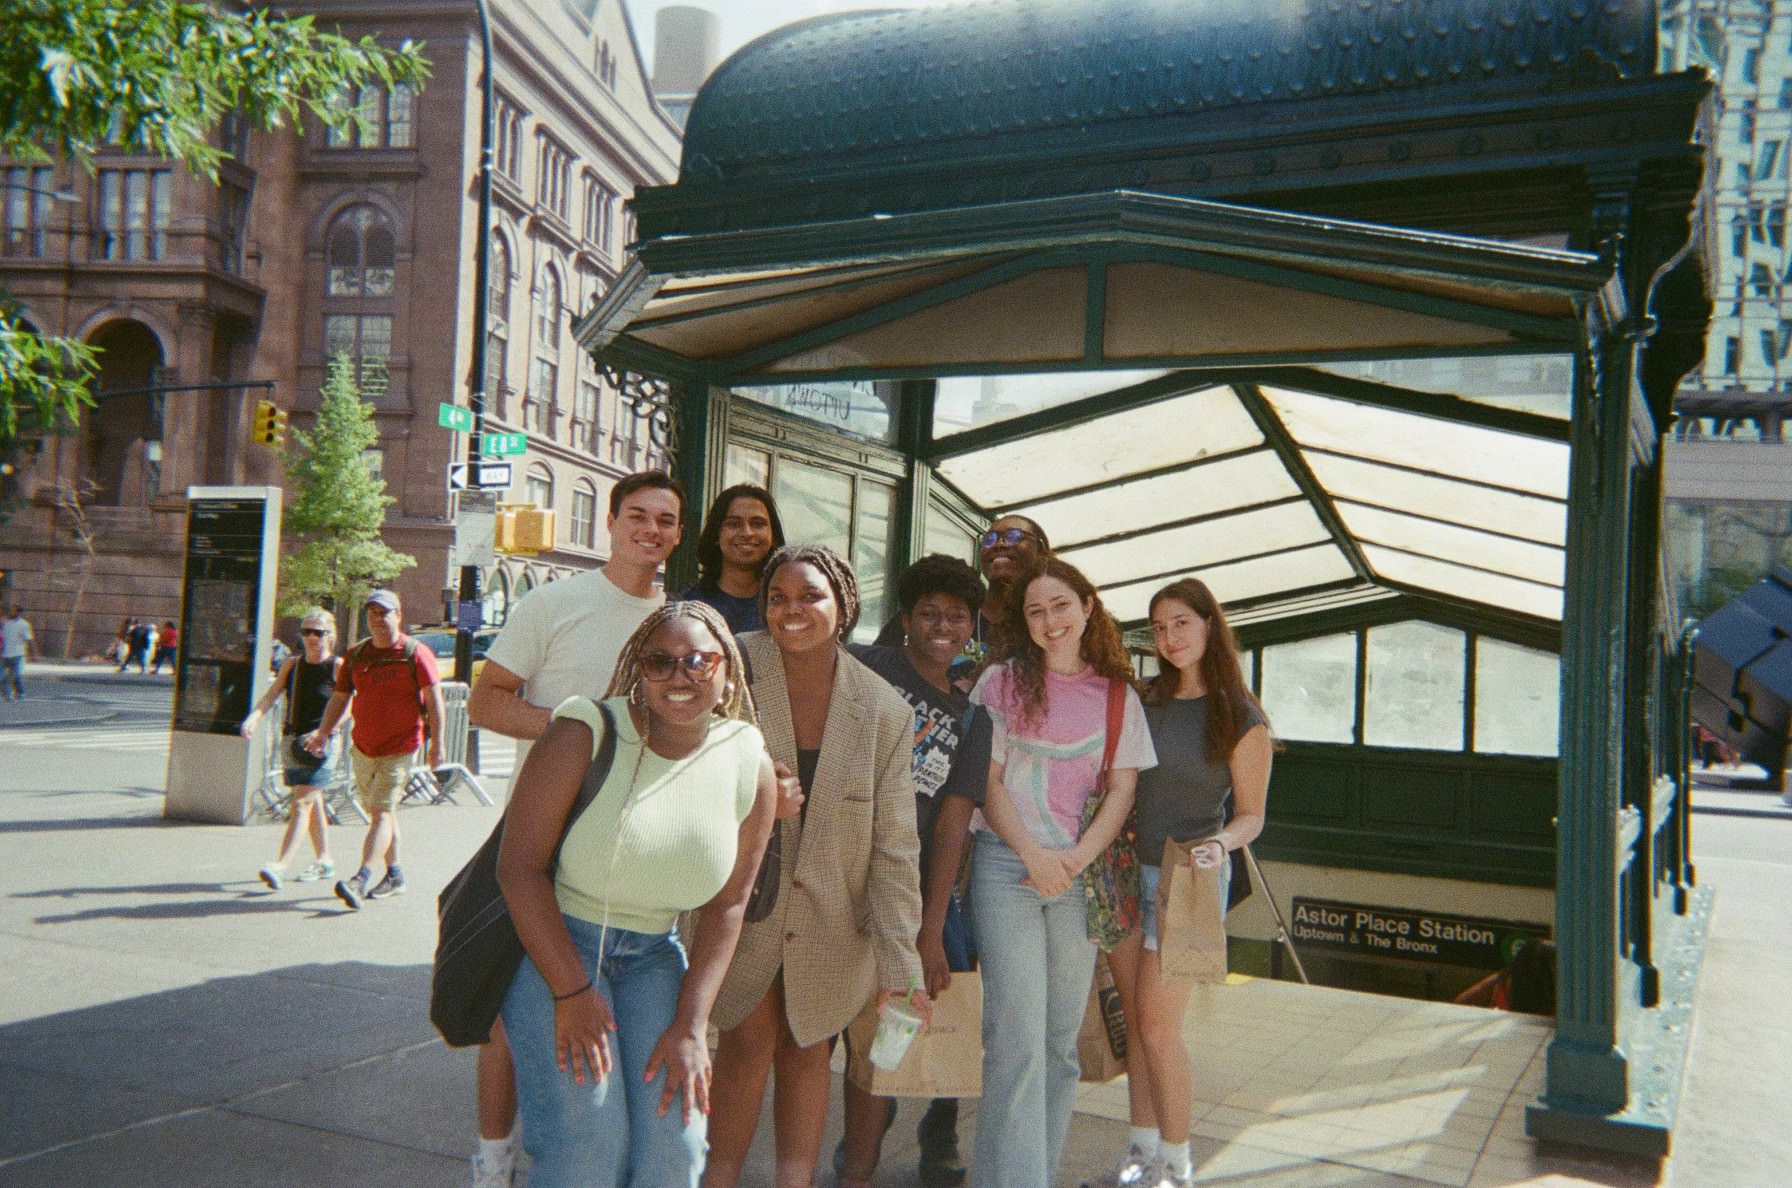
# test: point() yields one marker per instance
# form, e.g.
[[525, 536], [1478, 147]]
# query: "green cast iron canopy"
[[919, 84]]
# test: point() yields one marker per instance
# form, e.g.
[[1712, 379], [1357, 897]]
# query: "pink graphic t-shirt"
[[1049, 766]]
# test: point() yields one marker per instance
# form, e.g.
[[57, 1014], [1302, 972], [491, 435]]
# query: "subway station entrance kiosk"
[[1371, 316]]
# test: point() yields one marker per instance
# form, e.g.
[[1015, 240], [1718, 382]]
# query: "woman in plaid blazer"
[[849, 895]]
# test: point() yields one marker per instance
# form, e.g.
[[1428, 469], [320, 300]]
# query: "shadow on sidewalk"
[[91, 824], [327, 1071]]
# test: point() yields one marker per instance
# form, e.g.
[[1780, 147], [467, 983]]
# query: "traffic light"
[[270, 424]]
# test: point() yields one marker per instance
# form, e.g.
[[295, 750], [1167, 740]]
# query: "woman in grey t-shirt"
[[1213, 753]]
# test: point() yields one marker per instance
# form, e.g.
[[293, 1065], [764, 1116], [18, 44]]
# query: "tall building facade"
[[1729, 468], [314, 244]]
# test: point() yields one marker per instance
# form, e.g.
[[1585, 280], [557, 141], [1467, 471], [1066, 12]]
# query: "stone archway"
[[121, 436]]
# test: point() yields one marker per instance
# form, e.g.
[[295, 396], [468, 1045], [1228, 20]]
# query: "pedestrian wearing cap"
[[307, 681], [394, 690]]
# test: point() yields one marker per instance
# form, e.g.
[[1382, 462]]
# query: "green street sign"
[[453, 416], [502, 445]]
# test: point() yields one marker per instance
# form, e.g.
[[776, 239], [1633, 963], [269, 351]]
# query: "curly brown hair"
[[1013, 645]]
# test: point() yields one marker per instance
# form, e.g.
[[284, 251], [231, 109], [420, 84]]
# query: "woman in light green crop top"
[[606, 1023]]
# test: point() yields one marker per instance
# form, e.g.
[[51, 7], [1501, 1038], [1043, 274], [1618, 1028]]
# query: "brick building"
[[315, 243]]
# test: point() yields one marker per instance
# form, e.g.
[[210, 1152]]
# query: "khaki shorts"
[[380, 782]]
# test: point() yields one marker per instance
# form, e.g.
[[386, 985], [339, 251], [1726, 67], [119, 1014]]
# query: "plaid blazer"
[[849, 892]]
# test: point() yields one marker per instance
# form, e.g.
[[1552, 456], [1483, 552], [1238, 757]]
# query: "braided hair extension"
[[736, 701], [833, 567], [1102, 645]]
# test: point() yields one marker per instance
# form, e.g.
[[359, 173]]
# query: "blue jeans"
[[609, 1134], [1038, 963], [11, 669]]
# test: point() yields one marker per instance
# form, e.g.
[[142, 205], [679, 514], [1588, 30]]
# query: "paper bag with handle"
[[1191, 927], [945, 1060], [1101, 1044]]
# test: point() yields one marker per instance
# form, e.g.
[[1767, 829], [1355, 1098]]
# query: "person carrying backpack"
[[393, 687]]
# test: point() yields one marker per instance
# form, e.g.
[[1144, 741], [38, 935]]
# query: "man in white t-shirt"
[[561, 640], [15, 649]]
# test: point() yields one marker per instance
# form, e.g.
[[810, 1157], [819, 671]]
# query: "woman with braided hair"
[[845, 897], [607, 1025]]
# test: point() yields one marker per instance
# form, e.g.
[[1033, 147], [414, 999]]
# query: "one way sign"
[[478, 476]]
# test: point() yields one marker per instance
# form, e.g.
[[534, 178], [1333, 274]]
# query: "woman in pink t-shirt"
[[1057, 652]]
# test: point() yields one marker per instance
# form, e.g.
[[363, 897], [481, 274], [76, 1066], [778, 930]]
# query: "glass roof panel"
[[1535, 562], [1540, 384], [1201, 490], [1432, 444], [1103, 449], [1298, 570], [1199, 546], [1459, 582], [1541, 520], [966, 401]]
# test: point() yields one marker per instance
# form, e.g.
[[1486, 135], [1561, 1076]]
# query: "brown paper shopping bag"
[[1101, 1044], [1190, 926], [945, 1060]]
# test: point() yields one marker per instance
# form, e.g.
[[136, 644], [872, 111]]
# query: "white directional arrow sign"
[[478, 476]]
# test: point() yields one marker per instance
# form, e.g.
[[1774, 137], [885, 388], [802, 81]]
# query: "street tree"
[[338, 505], [157, 77]]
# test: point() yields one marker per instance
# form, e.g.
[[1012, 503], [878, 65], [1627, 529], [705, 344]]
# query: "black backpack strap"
[[595, 775]]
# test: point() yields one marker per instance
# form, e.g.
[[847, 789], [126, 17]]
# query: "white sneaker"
[[1134, 1171], [496, 1171], [316, 872], [271, 874]]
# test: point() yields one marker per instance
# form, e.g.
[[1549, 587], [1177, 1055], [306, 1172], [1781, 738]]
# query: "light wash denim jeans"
[[609, 1134], [1038, 963]]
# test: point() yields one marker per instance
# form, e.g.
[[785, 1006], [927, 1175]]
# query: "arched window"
[[361, 253], [498, 280], [543, 398], [548, 311], [584, 514], [497, 333], [538, 485]]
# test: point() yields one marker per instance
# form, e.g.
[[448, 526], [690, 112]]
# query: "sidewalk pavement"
[[84, 692], [164, 1019]]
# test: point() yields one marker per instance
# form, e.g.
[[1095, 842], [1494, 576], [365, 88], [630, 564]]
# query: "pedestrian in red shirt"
[[394, 690]]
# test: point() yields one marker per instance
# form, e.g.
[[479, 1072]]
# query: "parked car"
[[440, 640]]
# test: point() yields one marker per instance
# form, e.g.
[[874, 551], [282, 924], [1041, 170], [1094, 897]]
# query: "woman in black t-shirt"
[[1209, 788], [307, 682]]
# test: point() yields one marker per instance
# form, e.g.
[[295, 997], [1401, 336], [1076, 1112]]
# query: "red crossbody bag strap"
[[1116, 720]]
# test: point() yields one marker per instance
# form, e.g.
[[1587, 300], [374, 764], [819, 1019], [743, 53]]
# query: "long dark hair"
[[709, 542], [1229, 699], [1102, 646]]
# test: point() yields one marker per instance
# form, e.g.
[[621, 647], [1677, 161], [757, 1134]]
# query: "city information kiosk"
[[222, 668], [1370, 315]]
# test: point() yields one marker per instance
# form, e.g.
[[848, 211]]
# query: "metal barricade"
[[438, 784]]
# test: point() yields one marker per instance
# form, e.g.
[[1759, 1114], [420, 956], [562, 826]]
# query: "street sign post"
[[453, 416], [503, 445], [478, 476]]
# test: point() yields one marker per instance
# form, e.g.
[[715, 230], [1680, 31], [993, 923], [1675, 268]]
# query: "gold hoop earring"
[[637, 696]]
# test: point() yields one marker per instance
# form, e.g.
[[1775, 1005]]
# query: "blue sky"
[[743, 20]]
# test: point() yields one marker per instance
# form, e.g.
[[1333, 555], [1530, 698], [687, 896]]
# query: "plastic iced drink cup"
[[896, 1029]]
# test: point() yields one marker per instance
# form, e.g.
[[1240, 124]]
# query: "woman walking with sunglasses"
[[607, 1027], [1050, 699], [306, 681]]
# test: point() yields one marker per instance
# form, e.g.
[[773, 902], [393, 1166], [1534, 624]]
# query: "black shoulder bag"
[[477, 948]]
